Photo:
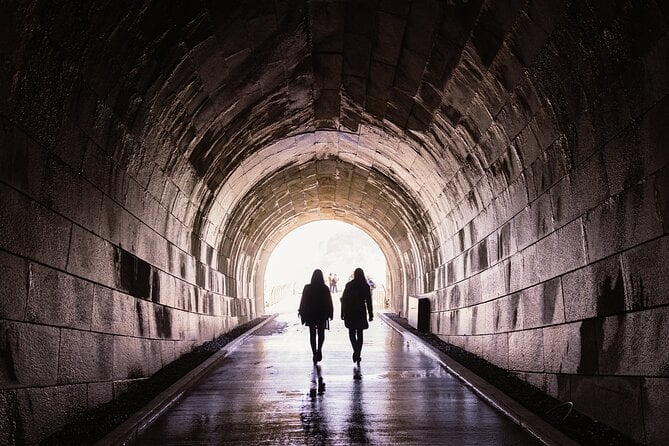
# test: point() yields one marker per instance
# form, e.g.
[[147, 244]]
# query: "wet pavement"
[[267, 392]]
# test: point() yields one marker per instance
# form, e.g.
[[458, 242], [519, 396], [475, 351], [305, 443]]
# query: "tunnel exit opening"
[[334, 247]]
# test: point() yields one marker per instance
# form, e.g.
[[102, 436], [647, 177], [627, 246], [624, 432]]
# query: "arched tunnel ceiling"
[[327, 188], [373, 178], [392, 91], [216, 96]]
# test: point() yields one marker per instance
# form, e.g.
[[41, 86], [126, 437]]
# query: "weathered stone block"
[[167, 354], [29, 354], [435, 326], [157, 183], [130, 358], [595, 290], [8, 427], [548, 169], [507, 313], [113, 312], [69, 194], [635, 343], [327, 20], [512, 201], [492, 242], [506, 241], [645, 81], [99, 393], [610, 111], [472, 290], [47, 236], [45, 410], [562, 348], [58, 298], [22, 161], [638, 152], [154, 356], [655, 409], [98, 169], [482, 318], [646, 275], [476, 258], [533, 222], [143, 318], [622, 222], [327, 70], [519, 108], [614, 401], [524, 271], [526, 350], [542, 305], [584, 188], [474, 345], [561, 251], [92, 257], [117, 224], [495, 281], [455, 269], [495, 349], [528, 148], [14, 290], [84, 356], [71, 144]]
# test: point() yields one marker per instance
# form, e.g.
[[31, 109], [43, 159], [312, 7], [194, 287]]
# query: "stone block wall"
[[95, 291], [560, 273], [102, 284]]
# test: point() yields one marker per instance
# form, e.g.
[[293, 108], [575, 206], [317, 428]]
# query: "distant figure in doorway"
[[331, 282], [335, 279], [316, 311], [356, 304]]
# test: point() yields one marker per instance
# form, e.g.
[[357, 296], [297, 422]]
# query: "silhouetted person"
[[316, 311], [356, 304]]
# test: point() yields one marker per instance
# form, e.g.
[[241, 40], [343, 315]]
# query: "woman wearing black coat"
[[315, 311], [356, 304]]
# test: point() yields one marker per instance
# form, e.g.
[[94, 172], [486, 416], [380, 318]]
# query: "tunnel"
[[508, 157]]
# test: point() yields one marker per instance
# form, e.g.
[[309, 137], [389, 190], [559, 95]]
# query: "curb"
[[126, 432], [535, 425]]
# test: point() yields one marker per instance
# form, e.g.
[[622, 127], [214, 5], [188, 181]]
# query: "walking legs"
[[316, 344], [355, 336]]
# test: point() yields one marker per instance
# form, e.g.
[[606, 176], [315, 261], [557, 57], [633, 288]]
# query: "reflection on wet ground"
[[268, 391]]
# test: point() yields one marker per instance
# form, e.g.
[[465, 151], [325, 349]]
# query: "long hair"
[[317, 277], [359, 276]]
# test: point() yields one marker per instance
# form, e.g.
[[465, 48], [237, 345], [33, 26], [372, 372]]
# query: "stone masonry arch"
[[152, 152]]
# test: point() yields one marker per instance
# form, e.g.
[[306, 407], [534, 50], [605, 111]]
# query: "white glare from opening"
[[332, 246]]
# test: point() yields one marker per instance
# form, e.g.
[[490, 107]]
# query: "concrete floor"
[[266, 392]]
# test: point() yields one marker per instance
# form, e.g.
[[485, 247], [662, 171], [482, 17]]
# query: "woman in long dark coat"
[[356, 304], [316, 311]]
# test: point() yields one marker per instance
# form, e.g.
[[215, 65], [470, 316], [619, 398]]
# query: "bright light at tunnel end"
[[332, 246]]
